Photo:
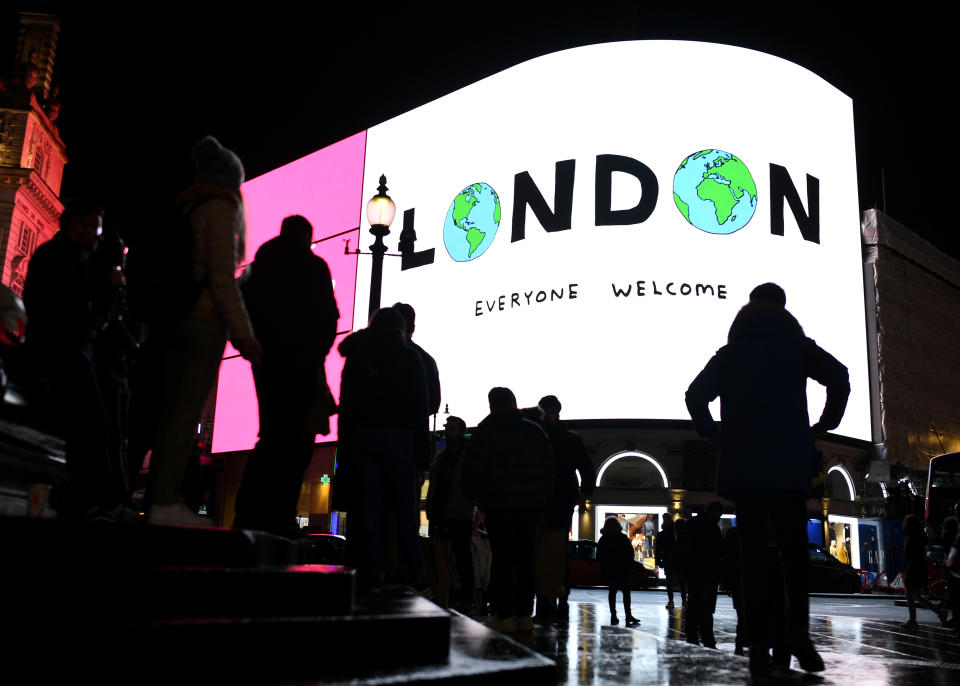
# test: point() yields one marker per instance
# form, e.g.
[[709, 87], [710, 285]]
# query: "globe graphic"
[[472, 222], [715, 192]]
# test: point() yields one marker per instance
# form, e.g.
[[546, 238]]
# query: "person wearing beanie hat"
[[216, 165], [196, 342]]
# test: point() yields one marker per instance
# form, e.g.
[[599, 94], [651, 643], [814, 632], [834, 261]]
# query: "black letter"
[[703, 289], [606, 216], [640, 287], [500, 301], [527, 296], [525, 192], [515, 300], [491, 305], [617, 292], [721, 291], [554, 295], [539, 299], [410, 259], [479, 308], [668, 288], [782, 188], [655, 291], [573, 292], [687, 286]]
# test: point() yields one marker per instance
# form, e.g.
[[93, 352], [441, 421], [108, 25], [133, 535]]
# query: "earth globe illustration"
[[472, 222], [715, 192]]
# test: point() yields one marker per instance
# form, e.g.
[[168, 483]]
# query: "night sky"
[[139, 86]]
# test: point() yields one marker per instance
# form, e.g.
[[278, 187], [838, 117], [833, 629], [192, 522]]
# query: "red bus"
[[943, 490]]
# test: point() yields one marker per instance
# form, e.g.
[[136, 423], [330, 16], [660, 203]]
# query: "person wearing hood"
[[767, 455], [616, 558], [383, 410], [289, 295], [192, 357]]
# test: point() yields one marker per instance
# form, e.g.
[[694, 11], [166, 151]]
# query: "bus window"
[[943, 489]]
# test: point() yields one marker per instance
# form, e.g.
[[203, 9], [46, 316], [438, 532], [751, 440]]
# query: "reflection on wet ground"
[[861, 643]]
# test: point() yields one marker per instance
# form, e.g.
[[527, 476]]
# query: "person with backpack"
[[196, 340]]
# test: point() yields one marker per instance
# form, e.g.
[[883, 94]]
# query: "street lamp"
[[380, 213]]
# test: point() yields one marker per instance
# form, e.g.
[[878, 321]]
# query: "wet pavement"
[[859, 638]]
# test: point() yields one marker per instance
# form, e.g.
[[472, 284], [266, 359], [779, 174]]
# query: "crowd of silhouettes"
[[122, 353]]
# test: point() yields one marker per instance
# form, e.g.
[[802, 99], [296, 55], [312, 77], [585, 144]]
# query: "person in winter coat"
[[451, 515], [767, 456], [616, 557], [915, 571], [509, 469], [383, 406], [570, 459], [703, 550], [665, 544], [732, 580], [59, 296], [289, 295], [192, 358]]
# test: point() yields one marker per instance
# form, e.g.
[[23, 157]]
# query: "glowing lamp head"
[[380, 208]]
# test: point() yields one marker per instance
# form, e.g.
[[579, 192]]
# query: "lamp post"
[[380, 213]]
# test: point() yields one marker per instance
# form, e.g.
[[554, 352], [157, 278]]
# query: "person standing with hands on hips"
[[768, 459]]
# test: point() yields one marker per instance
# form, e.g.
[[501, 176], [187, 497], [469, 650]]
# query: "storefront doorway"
[[641, 524]]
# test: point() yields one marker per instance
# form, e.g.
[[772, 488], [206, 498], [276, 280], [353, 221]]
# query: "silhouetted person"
[[666, 542], [116, 345], [767, 453], [649, 529], [429, 364], [730, 574], [915, 570], [703, 550], [289, 296], [63, 321], [450, 512], [616, 557], [948, 533], [509, 468], [383, 409], [194, 348], [952, 570], [569, 458]]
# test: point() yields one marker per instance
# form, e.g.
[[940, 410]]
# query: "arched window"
[[839, 485], [631, 469]]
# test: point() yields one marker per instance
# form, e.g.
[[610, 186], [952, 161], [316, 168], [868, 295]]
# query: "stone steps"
[[166, 605]]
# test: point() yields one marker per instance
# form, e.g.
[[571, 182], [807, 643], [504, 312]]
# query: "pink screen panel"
[[325, 187]]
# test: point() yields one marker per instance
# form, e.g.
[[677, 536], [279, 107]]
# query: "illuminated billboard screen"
[[597, 217]]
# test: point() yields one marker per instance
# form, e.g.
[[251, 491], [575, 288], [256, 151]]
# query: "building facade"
[[32, 154]]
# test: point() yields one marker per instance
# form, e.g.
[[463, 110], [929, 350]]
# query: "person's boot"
[[632, 621], [613, 618], [807, 655], [759, 663], [546, 610]]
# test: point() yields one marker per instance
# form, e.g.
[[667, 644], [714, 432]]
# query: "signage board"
[[589, 222]]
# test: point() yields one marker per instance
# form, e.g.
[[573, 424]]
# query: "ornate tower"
[[32, 155]]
